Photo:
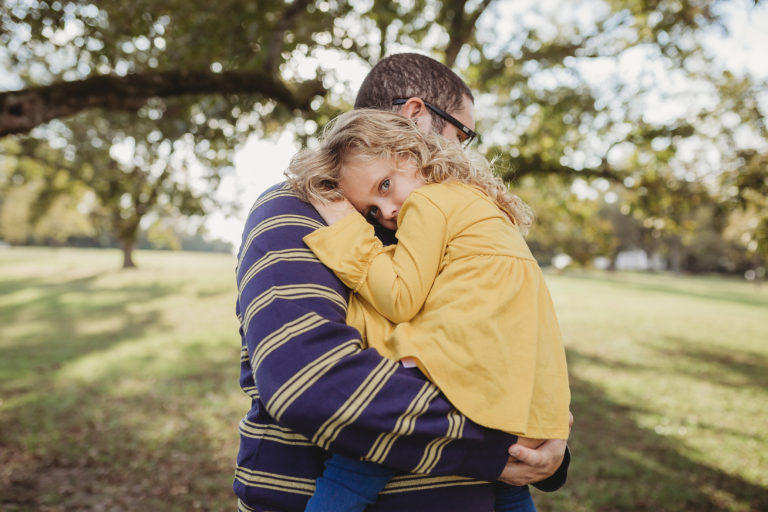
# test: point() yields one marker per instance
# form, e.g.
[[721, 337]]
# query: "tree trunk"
[[676, 257], [127, 248], [613, 258], [125, 229]]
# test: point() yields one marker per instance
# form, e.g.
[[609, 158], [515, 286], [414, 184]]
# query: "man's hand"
[[333, 212], [526, 465]]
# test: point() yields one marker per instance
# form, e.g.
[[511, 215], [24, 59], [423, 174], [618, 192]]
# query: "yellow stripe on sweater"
[[435, 448], [278, 221], [284, 191], [290, 292], [286, 333], [412, 483], [242, 507], [405, 424], [252, 392], [275, 481], [307, 376], [274, 433], [353, 407], [272, 257]]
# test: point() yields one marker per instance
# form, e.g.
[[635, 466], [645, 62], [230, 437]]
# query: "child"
[[460, 295]]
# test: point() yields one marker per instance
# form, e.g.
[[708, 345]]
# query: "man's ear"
[[417, 111]]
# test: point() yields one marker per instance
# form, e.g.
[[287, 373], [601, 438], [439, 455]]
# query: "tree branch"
[[534, 164], [278, 33], [461, 29], [20, 111]]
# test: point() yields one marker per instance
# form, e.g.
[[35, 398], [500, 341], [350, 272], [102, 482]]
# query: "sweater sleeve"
[[312, 375], [395, 281]]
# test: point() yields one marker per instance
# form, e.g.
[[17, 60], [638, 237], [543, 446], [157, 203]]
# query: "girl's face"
[[377, 188]]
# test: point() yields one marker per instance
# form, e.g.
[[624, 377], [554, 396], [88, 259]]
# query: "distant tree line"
[[74, 219], [600, 228]]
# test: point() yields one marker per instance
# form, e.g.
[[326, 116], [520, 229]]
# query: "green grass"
[[670, 392], [118, 389]]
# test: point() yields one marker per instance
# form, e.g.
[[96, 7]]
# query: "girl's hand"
[[333, 212]]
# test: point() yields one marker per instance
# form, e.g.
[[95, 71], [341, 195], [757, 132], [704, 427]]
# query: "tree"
[[151, 169], [162, 87], [21, 188], [571, 94], [745, 187], [632, 95], [147, 141], [107, 56], [566, 223]]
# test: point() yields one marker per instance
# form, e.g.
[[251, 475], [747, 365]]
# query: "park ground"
[[119, 388]]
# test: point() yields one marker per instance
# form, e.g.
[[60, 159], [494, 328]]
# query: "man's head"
[[421, 89]]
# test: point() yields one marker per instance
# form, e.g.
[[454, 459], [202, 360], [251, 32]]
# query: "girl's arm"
[[395, 280]]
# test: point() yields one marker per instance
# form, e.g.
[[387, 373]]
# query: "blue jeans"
[[348, 485], [510, 498]]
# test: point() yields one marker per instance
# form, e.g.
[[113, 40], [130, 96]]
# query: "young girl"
[[460, 295]]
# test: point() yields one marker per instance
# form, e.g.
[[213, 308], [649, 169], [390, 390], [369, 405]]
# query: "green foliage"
[[42, 204], [558, 209], [630, 93], [25, 185], [634, 125], [173, 151], [698, 235], [747, 186]]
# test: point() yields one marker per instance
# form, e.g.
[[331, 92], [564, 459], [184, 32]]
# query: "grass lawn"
[[119, 389]]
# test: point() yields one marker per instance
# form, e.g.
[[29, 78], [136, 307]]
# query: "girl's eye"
[[384, 185], [373, 212]]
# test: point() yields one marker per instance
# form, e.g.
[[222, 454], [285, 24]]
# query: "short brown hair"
[[408, 75]]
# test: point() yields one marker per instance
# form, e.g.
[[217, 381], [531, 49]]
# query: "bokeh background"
[[135, 135]]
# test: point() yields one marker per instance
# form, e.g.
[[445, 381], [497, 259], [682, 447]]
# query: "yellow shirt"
[[461, 293]]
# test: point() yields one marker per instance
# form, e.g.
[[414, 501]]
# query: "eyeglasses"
[[471, 135]]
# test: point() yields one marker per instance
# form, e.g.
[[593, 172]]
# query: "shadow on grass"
[[214, 292], [725, 366], [151, 428], [60, 319], [152, 451], [717, 292], [133, 440], [619, 466]]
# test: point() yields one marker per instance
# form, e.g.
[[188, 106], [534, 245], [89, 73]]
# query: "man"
[[315, 389]]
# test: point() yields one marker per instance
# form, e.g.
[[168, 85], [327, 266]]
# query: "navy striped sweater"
[[315, 389]]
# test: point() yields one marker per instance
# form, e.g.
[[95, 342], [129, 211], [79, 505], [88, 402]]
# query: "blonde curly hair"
[[375, 134]]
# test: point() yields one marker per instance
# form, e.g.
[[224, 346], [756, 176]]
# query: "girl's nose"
[[390, 213]]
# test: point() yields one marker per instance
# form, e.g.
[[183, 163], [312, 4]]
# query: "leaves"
[[627, 92]]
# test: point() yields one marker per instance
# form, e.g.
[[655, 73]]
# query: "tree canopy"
[[628, 92]]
